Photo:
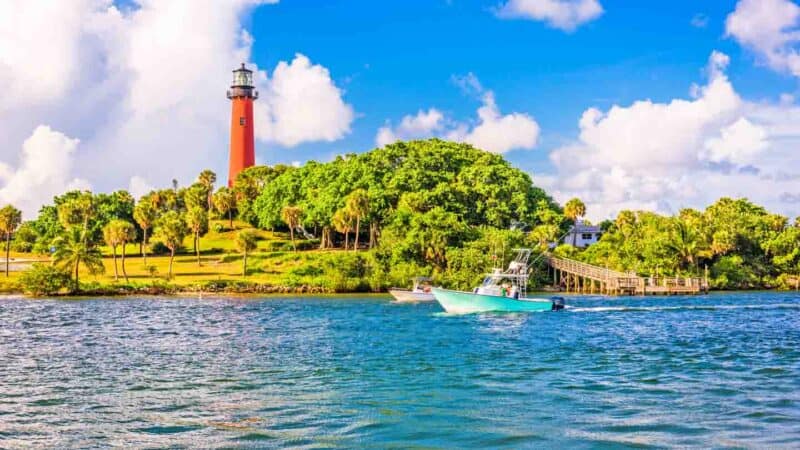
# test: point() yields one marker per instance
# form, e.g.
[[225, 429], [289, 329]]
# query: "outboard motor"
[[558, 303]]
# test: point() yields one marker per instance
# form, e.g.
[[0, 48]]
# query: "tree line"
[[411, 203], [428, 207], [737, 244]]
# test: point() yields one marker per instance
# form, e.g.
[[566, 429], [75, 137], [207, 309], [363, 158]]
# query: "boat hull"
[[404, 296], [458, 302]]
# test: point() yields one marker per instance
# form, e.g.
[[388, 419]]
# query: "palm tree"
[[145, 214], [171, 230], [111, 236], [574, 209], [225, 202], [115, 233], [291, 217], [127, 234], [10, 219], [207, 178], [197, 219], [73, 248], [357, 206], [246, 241], [343, 223], [195, 196], [685, 242], [77, 211], [544, 235]]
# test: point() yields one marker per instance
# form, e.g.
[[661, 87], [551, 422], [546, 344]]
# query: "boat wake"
[[572, 308]]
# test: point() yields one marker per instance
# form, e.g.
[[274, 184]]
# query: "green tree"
[[246, 242], [145, 215], [686, 244], [108, 207], [128, 234], [197, 220], [77, 211], [112, 238], [207, 178], [171, 231], [479, 187], [25, 238], [225, 203], [573, 210], [73, 248], [250, 185], [291, 216], [10, 219], [343, 223], [116, 233], [195, 196], [357, 206]]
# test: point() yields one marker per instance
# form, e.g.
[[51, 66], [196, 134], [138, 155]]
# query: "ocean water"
[[716, 371]]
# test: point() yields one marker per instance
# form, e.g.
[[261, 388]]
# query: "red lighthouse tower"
[[242, 93]]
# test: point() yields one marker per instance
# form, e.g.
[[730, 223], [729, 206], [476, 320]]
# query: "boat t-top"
[[501, 290]]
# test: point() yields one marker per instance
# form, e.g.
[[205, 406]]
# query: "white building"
[[582, 235]]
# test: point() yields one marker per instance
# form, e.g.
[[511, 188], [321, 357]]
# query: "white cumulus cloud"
[[770, 29], [144, 87], [566, 15], [499, 133], [302, 103], [44, 170], [493, 131], [738, 143], [686, 152], [423, 124]]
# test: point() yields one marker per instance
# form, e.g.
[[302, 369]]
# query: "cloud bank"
[[141, 91], [686, 152], [43, 171]]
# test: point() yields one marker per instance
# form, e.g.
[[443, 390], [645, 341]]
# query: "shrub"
[[158, 248], [24, 238], [306, 271], [152, 270], [308, 244], [730, 272], [44, 279]]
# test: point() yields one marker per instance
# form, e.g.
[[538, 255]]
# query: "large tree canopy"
[[479, 187]]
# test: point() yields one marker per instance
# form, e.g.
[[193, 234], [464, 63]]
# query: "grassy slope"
[[219, 260]]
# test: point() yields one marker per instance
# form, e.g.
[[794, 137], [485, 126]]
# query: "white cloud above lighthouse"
[[143, 87]]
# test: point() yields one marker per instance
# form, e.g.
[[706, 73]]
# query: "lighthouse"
[[242, 93]]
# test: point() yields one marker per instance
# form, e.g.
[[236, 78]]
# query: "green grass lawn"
[[270, 264]]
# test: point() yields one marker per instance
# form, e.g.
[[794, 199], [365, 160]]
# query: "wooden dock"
[[579, 277]]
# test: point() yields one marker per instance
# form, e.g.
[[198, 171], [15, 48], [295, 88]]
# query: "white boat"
[[421, 292], [501, 291]]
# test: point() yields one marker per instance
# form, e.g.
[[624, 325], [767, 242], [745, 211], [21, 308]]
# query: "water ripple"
[[715, 371]]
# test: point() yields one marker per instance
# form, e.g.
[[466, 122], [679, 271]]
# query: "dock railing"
[[577, 276]]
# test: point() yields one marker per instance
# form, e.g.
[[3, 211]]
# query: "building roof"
[[581, 228]]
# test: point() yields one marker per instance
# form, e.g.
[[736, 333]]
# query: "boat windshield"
[[489, 281]]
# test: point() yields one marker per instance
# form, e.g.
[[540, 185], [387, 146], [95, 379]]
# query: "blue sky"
[[625, 104], [393, 58]]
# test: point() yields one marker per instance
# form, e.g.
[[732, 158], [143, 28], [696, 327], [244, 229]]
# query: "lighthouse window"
[[242, 121]]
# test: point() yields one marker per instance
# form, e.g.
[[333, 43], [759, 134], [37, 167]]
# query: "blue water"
[[715, 371]]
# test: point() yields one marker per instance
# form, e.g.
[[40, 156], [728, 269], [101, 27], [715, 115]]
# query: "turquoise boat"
[[457, 302], [501, 291]]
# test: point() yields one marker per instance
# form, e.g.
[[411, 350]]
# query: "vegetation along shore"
[[366, 222]]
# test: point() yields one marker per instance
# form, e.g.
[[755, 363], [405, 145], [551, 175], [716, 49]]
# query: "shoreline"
[[282, 291]]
